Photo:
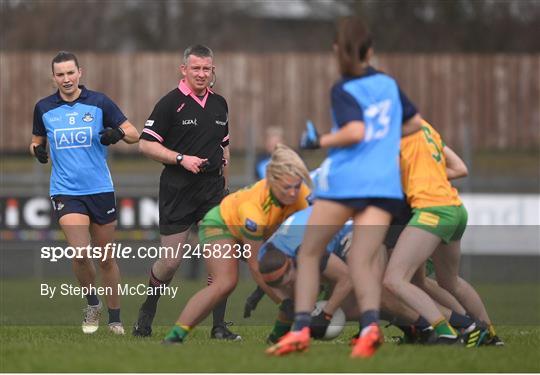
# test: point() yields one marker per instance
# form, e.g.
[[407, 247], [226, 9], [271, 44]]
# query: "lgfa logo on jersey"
[[189, 122], [87, 117]]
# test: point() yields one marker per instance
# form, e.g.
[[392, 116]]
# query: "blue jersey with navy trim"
[[79, 165], [370, 168], [290, 234]]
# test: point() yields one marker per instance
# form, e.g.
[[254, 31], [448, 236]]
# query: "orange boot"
[[294, 341], [368, 342]]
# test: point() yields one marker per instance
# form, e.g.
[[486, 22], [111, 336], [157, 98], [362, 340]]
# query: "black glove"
[[319, 324], [252, 301], [41, 154], [310, 137], [111, 136]]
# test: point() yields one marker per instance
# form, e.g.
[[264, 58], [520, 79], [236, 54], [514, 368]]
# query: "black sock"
[[257, 295], [368, 317], [150, 304], [407, 330], [114, 316], [301, 320], [390, 318], [460, 321], [394, 320], [421, 323], [92, 299], [218, 314]]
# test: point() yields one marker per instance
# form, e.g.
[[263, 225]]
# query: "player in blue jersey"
[[79, 124], [359, 179], [278, 261]]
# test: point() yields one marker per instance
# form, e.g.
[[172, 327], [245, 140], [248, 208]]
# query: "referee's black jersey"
[[190, 125]]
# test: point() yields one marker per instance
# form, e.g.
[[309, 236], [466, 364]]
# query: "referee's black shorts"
[[184, 198]]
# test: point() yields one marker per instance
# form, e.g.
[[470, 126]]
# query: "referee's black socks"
[[218, 314], [150, 304]]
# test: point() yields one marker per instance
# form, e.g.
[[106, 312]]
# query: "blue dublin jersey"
[[290, 234], [79, 165], [370, 168]]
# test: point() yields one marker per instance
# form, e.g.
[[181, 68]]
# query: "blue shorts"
[[100, 208]]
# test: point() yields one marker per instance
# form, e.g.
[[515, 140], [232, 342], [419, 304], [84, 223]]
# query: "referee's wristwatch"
[[179, 159]]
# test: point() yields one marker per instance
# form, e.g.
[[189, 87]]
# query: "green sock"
[[280, 328], [443, 328], [178, 333]]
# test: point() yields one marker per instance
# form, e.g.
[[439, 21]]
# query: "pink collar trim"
[[184, 89]]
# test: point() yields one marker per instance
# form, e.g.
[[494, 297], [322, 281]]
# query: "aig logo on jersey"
[[73, 137]]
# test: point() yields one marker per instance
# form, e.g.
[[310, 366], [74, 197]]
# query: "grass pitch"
[[40, 335]]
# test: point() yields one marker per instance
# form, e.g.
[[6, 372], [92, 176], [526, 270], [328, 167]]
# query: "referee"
[[188, 132]]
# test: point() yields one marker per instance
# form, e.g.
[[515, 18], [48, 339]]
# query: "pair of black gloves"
[[108, 137]]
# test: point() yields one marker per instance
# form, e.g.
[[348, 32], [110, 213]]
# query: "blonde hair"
[[286, 162]]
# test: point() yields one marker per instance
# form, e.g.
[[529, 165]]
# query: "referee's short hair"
[[64, 56], [198, 50]]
